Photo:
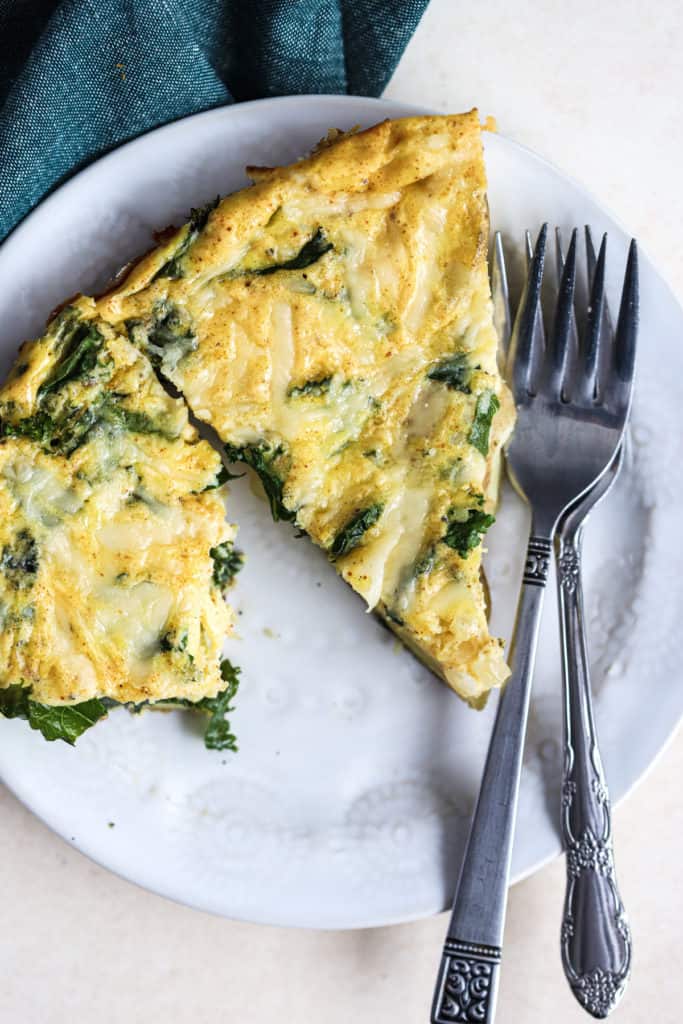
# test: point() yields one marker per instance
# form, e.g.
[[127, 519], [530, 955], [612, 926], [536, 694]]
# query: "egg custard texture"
[[333, 323], [113, 540]]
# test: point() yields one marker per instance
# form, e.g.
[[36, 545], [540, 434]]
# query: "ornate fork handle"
[[595, 937]]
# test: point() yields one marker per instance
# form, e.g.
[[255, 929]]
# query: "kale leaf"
[[227, 562], [40, 427], [136, 422], [78, 360], [351, 535], [261, 458], [198, 218], [464, 534], [69, 721], [14, 701], [200, 215], [453, 371], [167, 337], [175, 642], [312, 250], [19, 561], [69, 428], [217, 735], [486, 408], [66, 722], [311, 387]]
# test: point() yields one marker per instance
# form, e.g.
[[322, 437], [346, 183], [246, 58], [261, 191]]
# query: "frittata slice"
[[333, 324], [109, 517]]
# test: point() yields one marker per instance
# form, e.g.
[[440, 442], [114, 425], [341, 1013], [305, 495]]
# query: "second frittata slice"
[[114, 545]]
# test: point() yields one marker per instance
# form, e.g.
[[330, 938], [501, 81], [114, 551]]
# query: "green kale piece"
[[262, 459], [136, 422], [166, 338], [227, 562], [79, 357], [312, 250], [173, 268], [453, 371], [19, 561], [62, 432], [40, 427], [171, 641], [66, 722], [425, 561], [351, 535], [14, 701], [217, 735], [200, 215], [466, 531], [486, 408], [311, 387]]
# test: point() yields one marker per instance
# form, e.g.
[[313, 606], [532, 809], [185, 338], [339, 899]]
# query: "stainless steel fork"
[[595, 938], [572, 402]]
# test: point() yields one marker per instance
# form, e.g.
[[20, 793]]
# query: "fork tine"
[[591, 259], [627, 325], [607, 326], [527, 340], [540, 325], [558, 352], [573, 340], [559, 255], [617, 385], [500, 294], [597, 327]]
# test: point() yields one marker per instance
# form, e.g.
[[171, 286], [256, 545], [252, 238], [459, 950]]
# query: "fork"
[[595, 938], [572, 404]]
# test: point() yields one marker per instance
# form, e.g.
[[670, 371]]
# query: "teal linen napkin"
[[78, 77]]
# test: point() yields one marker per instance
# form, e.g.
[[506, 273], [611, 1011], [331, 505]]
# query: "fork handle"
[[595, 936], [468, 974]]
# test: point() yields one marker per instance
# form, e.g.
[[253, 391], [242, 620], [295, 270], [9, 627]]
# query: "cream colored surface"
[[600, 96]]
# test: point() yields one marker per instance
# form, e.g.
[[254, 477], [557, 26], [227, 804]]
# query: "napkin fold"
[[78, 77]]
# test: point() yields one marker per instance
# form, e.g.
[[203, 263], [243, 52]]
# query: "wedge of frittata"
[[114, 545], [333, 324]]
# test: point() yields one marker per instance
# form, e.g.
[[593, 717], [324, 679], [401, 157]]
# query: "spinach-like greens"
[[311, 387], [351, 534], [465, 531], [166, 338], [19, 561], [78, 359], [136, 422], [262, 459], [66, 722], [453, 371], [227, 562], [69, 721], [217, 735], [486, 408], [173, 268], [312, 250], [67, 428]]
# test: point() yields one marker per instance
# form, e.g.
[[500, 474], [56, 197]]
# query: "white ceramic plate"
[[348, 802]]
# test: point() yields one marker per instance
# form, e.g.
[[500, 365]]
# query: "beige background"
[[601, 95]]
